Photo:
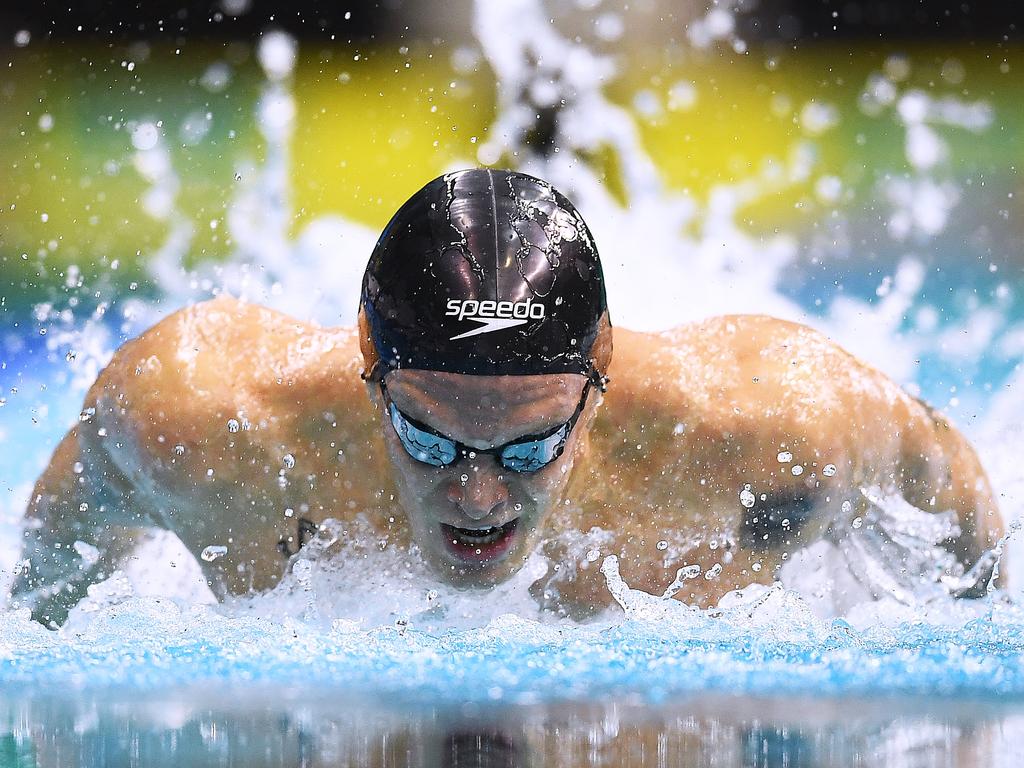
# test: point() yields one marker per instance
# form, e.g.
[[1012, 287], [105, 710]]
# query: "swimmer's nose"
[[481, 495]]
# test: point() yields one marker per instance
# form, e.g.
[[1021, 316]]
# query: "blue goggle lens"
[[534, 454], [423, 446]]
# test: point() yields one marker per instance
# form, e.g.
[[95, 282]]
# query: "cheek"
[[545, 485], [418, 479], [553, 480]]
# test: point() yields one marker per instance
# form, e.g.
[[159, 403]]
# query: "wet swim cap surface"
[[485, 272]]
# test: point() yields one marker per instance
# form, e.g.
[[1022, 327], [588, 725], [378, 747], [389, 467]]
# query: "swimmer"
[[475, 415]]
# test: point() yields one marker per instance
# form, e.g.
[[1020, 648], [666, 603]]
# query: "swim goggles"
[[524, 454]]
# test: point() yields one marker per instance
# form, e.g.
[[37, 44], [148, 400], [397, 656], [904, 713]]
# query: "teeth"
[[485, 536], [478, 537]]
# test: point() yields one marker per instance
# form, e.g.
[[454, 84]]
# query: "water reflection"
[[303, 729], [481, 749]]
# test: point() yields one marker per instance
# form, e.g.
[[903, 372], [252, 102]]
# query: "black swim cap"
[[485, 272]]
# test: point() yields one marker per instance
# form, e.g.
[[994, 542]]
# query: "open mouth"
[[479, 545]]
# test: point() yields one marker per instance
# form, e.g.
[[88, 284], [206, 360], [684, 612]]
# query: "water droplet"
[[87, 414], [713, 572], [83, 507], [288, 461], [846, 506], [797, 469], [662, 545], [689, 572], [464, 478], [289, 512], [857, 522], [78, 467], [179, 450], [747, 497], [431, 594], [517, 507], [212, 552], [784, 457], [592, 555], [755, 567], [233, 425], [828, 470]]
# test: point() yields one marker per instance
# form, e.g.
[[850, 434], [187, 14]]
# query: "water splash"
[[313, 277], [343, 573]]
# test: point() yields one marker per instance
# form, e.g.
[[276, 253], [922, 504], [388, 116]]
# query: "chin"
[[482, 574]]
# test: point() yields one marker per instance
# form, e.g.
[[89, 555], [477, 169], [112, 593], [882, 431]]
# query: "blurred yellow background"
[[374, 123]]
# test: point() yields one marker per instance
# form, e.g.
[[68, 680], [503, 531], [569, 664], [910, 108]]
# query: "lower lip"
[[470, 552]]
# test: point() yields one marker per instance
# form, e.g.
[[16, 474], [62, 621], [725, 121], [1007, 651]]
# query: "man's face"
[[476, 521]]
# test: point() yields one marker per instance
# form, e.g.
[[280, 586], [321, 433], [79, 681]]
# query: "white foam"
[[344, 573]]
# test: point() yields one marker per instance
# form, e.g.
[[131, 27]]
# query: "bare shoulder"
[[751, 399], [738, 400], [222, 344], [220, 367], [755, 366]]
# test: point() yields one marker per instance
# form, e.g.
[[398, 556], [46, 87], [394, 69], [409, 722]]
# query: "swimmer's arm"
[[82, 520], [852, 414], [940, 470], [157, 450], [96, 490]]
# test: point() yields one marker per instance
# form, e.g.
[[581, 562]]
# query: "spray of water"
[[669, 258]]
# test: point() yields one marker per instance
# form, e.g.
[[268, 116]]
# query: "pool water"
[[150, 683], [296, 726], [373, 662]]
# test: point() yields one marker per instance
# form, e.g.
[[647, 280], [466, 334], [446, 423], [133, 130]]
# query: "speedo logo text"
[[493, 315]]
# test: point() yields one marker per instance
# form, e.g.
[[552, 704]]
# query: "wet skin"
[[227, 423]]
